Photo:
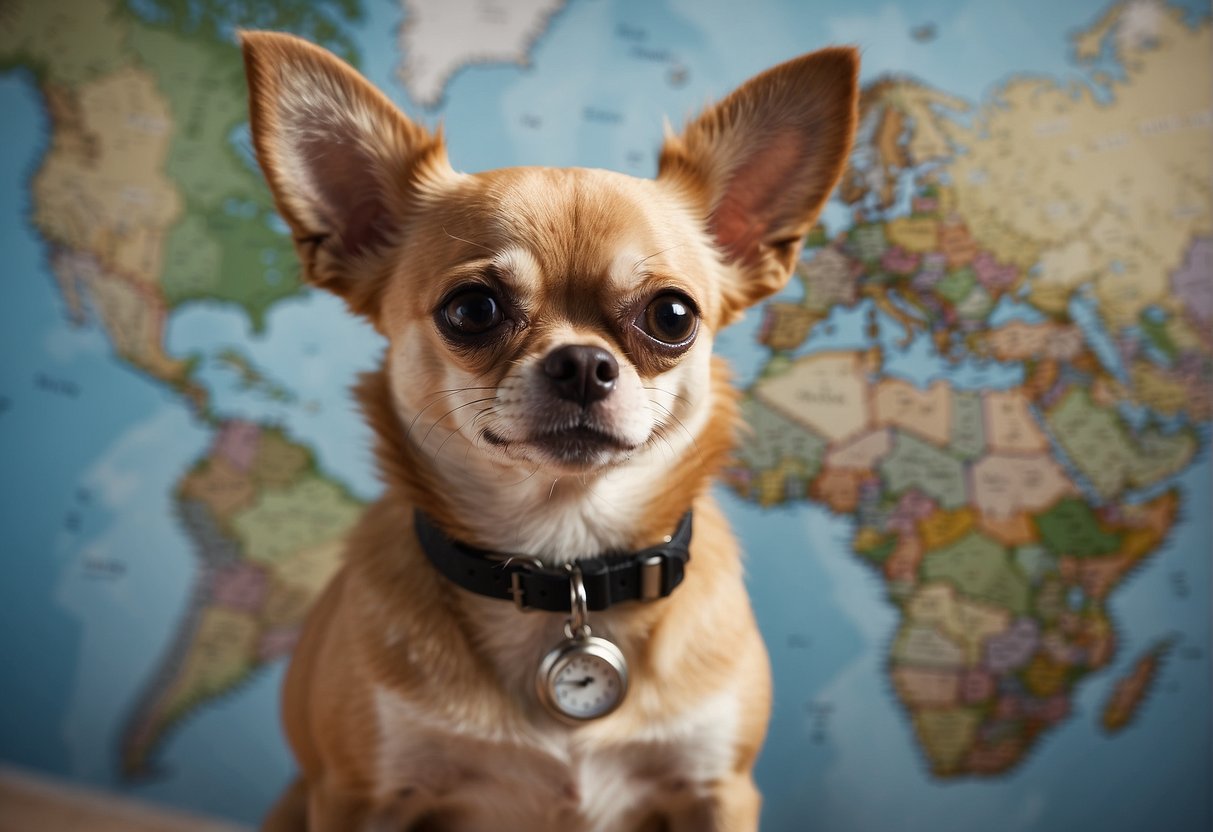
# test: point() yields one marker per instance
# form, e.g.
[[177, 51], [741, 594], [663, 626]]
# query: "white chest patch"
[[551, 777]]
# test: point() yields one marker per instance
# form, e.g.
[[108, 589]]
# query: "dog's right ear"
[[762, 162], [343, 163]]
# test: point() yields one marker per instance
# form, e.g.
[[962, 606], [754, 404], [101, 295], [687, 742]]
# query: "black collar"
[[609, 579]]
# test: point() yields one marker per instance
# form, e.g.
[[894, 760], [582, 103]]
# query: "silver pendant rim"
[[600, 648]]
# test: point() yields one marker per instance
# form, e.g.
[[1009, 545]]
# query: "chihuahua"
[[542, 623]]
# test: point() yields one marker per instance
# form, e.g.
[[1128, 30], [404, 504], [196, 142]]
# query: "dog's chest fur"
[[542, 777], [532, 772]]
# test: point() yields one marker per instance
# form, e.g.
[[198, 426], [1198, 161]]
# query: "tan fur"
[[409, 702]]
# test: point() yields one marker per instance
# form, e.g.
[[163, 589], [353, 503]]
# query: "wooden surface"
[[33, 803]]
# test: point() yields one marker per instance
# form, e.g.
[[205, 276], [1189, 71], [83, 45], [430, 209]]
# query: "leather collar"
[[609, 579]]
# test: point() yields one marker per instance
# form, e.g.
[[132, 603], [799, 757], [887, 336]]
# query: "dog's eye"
[[473, 312], [669, 319]]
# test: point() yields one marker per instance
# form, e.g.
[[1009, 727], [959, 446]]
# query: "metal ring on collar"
[[578, 604]]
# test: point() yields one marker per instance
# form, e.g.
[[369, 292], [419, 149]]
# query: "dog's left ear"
[[762, 162], [346, 167]]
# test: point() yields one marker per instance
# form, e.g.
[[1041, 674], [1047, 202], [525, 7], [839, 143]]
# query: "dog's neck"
[[514, 509]]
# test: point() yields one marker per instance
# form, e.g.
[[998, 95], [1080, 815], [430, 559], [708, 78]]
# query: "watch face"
[[586, 680]]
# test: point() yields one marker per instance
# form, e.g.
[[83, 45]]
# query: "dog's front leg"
[[733, 806], [289, 813], [331, 810]]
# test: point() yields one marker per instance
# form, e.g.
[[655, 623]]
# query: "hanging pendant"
[[584, 677]]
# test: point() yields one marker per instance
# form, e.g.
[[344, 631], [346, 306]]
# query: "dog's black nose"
[[581, 374]]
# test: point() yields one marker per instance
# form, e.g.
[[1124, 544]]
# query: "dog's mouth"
[[577, 445]]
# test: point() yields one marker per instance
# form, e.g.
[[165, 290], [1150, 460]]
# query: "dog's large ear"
[[762, 162], [342, 161]]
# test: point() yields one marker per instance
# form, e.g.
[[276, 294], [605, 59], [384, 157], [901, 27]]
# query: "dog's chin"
[[572, 450]]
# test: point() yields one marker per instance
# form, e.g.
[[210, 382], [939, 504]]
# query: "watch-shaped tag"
[[583, 677]]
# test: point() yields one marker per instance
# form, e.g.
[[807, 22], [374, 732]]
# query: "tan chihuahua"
[[525, 634]]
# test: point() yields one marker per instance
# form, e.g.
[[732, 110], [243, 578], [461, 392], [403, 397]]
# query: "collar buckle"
[[516, 588]]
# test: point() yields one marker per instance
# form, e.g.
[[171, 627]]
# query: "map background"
[[92, 471]]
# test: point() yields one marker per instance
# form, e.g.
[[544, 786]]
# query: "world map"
[[976, 483]]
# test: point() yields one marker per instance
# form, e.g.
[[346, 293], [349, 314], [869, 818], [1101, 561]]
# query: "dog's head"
[[547, 318]]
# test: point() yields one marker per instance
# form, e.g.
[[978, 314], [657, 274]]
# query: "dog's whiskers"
[[459, 430], [521, 481], [644, 260], [437, 397], [477, 435], [659, 435], [469, 242], [439, 421], [669, 393], [683, 427]]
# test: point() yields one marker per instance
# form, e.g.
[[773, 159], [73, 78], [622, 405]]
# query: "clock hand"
[[581, 683]]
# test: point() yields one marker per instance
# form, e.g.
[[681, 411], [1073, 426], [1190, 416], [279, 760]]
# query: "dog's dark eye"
[[670, 319], [473, 312]]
